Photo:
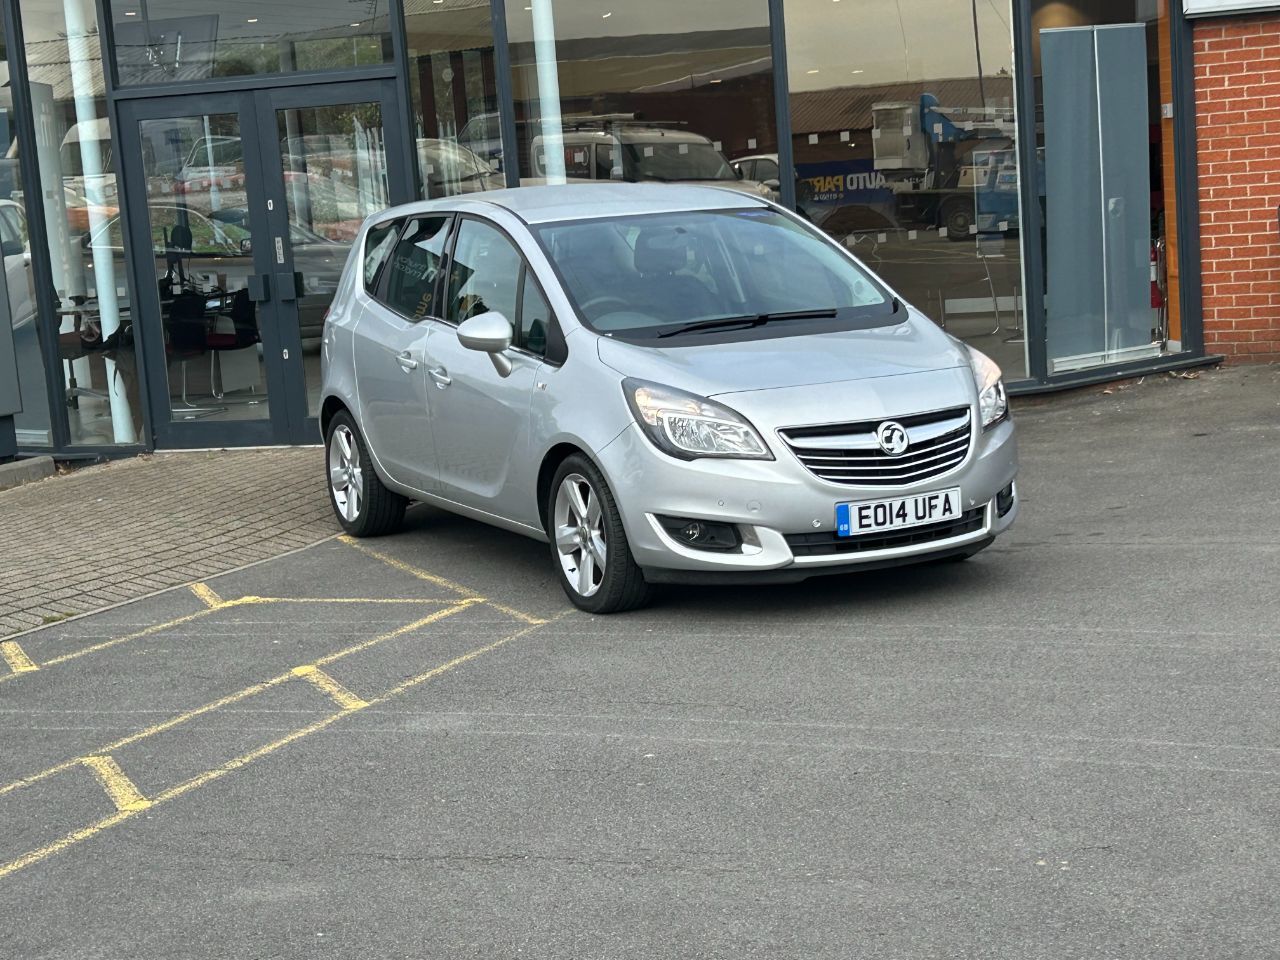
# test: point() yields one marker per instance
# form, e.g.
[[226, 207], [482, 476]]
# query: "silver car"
[[666, 383]]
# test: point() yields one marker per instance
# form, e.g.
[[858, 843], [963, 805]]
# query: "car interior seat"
[[663, 253]]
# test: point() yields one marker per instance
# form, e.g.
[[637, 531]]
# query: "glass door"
[[241, 209], [330, 165]]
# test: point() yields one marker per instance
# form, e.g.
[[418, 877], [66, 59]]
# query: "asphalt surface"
[[1064, 748]]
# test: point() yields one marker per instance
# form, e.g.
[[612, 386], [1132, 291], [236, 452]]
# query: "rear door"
[[403, 277]]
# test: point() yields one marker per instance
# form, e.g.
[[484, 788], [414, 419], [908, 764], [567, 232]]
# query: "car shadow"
[[481, 555]]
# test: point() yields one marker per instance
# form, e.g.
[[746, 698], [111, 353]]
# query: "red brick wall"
[[1237, 64]]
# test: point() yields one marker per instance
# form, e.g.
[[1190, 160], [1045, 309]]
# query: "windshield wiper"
[[758, 320]]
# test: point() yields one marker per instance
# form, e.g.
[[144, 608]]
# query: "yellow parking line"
[[439, 581], [20, 663], [43, 853], [122, 791], [409, 568], [237, 696], [206, 594], [138, 635], [16, 658], [341, 695]]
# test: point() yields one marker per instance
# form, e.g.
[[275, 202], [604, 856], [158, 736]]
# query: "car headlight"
[[992, 402], [689, 427]]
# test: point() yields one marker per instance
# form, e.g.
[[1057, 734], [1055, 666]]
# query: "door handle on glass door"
[[441, 376], [406, 361]]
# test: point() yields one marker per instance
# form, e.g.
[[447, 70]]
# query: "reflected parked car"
[[600, 148], [665, 383], [448, 168]]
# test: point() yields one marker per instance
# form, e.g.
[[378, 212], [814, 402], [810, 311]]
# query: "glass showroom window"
[[665, 91], [162, 41], [79, 197], [902, 115], [455, 96], [32, 423]]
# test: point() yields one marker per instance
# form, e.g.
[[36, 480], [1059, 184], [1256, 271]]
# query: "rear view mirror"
[[488, 333]]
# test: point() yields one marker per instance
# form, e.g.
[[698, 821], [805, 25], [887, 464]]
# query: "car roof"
[[586, 201]]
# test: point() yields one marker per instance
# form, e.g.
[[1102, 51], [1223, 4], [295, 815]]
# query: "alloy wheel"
[[578, 523], [346, 475]]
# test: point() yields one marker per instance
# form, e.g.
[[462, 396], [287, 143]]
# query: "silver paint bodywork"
[[477, 444]]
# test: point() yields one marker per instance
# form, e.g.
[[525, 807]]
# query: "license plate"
[[854, 519]]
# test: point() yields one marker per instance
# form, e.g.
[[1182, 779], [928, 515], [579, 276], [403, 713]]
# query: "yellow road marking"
[[43, 853], [238, 695], [341, 695], [206, 594], [215, 604], [16, 658], [439, 581], [122, 791]]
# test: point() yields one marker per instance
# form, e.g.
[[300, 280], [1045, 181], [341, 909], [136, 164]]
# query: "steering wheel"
[[602, 299]]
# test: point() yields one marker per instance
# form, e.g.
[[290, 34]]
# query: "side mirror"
[[489, 333], [773, 184]]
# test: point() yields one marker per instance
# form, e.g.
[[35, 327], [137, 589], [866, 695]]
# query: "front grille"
[[849, 453], [827, 544]]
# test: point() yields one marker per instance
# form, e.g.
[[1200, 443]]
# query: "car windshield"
[[649, 276], [672, 162]]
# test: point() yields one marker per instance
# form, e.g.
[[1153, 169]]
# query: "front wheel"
[[363, 506], [588, 544]]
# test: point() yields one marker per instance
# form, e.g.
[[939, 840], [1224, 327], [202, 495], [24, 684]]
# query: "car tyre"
[[363, 506], [588, 543]]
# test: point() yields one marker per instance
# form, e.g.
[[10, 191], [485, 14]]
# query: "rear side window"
[[412, 274], [378, 244]]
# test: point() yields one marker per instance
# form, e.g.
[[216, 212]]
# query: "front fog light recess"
[[993, 405], [688, 426]]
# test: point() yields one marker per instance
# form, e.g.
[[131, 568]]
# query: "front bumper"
[[770, 501]]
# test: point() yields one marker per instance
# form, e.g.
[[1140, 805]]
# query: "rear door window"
[[411, 276]]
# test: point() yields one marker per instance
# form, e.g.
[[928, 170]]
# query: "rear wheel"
[[957, 217], [588, 544], [363, 506]]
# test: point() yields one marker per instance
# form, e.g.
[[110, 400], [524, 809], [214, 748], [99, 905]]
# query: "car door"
[[402, 265], [479, 419]]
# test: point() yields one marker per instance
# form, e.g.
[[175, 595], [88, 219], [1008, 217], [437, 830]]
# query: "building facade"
[[182, 181]]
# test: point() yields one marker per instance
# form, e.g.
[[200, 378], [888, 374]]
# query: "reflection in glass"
[[661, 91], [78, 174], [32, 422], [905, 150], [455, 97], [162, 41], [201, 241], [335, 175]]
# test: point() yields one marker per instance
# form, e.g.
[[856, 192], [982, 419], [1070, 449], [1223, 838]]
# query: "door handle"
[[406, 361], [441, 376]]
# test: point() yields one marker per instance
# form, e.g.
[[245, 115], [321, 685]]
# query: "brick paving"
[[115, 531]]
